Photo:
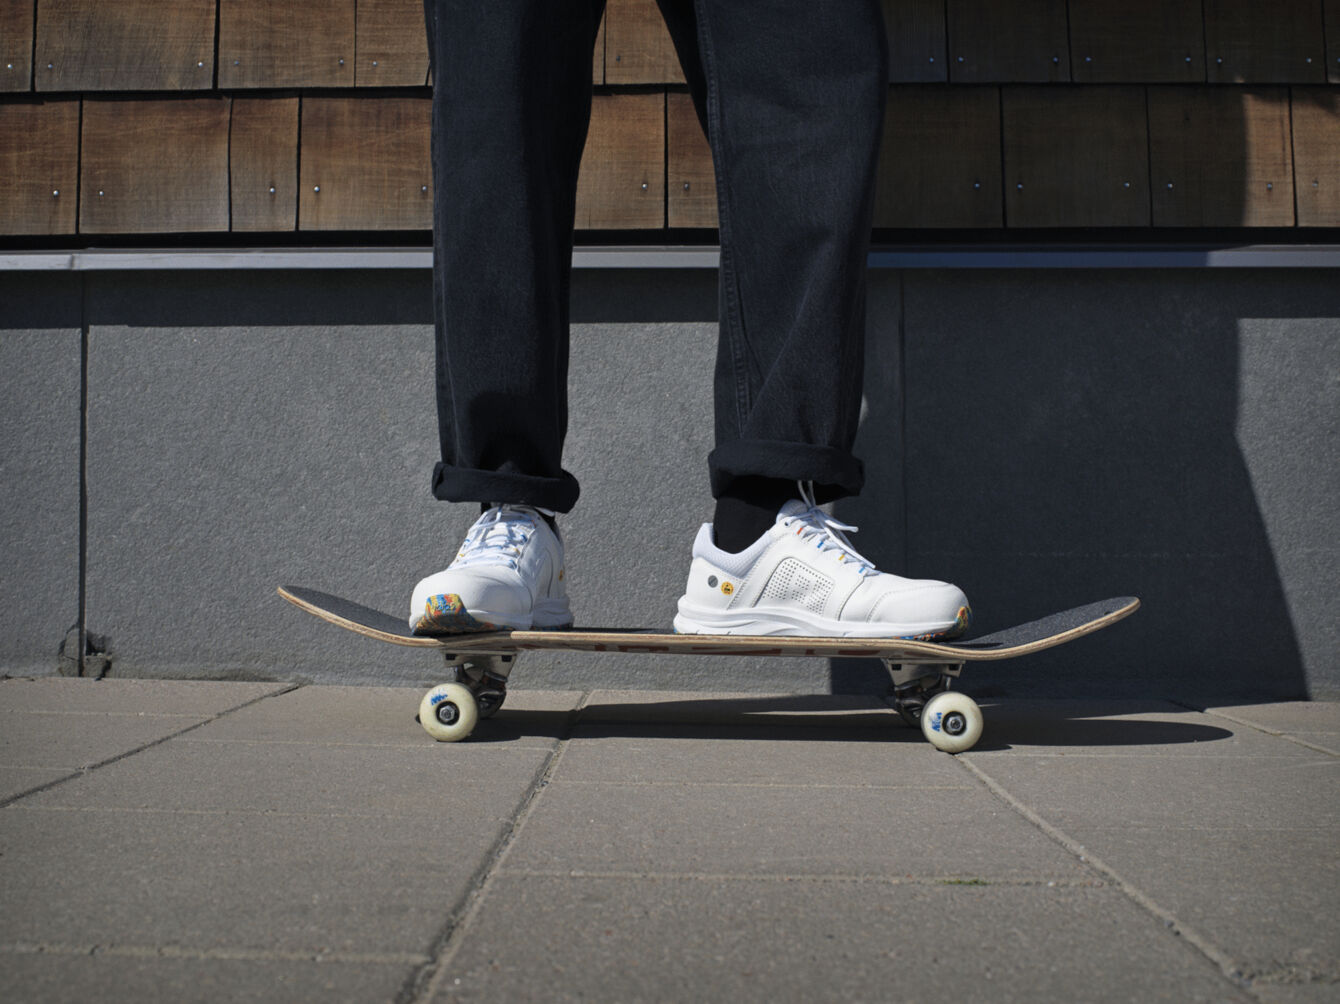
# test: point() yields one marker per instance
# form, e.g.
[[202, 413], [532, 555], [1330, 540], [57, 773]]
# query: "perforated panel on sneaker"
[[793, 581]]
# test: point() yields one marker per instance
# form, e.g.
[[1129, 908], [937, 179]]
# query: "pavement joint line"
[[216, 953], [769, 784], [495, 748], [98, 714], [423, 984], [1276, 733], [954, 881], [1232, 971], [175, 811], [89, 768]]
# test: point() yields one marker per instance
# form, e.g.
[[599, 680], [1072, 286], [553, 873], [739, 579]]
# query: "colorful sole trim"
[[446, 614], [962, 621]]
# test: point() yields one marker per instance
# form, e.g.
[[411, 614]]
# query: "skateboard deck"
[[921, 670]]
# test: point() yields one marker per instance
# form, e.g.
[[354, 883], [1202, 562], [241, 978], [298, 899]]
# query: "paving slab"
[[75, 741], [1316, 723], [834, 711], [152, 697], [17, 780], [38, 977], [559, 938]]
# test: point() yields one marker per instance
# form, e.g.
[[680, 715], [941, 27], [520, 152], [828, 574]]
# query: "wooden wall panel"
[[692, 197], [392, 44], [1220, 157], [916, 30], [286, 43], [16, 45], [1146, 41], [263, 163], [366, 163], [1075, 157], [154, 166], [1332, 18], [39, 166], [1249, 41], [622, 180], [990, 41], [940, 162], [1316, 150], [598, 55], [638, 49], [141, 45]]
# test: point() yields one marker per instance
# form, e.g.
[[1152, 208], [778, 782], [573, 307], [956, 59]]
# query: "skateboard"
[[922, 672]]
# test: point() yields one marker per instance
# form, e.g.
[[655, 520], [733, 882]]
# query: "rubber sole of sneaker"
[[783, 623]]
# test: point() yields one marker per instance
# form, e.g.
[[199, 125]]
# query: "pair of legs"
[[791, 96]]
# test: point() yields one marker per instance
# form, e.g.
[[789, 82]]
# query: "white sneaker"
[[803, 577], [508, 574]]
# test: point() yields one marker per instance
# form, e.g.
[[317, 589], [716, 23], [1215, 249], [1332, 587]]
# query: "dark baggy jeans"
[[791, 95]]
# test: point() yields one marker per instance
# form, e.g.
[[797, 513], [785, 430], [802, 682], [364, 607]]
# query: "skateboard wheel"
[[448, 712], [952, 722]]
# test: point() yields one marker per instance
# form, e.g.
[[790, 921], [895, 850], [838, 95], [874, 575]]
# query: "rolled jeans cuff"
[[835, 473], [464, 484]]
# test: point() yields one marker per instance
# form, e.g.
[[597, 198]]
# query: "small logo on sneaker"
[[712, 581], [727, 588]]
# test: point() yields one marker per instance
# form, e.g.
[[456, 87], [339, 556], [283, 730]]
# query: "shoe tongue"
[[793, 508]]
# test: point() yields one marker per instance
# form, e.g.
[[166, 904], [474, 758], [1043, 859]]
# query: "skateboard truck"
[[485, 676], [952, 721]]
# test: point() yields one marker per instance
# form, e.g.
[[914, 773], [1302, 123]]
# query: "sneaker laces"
[[498, 536], [830, 533]]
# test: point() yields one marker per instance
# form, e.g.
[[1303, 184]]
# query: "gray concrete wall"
[[1043, 438]]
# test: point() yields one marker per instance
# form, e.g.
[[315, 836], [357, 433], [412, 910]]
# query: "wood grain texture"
[[638, 49], [286, 43], [622, 180], [143, 45], [1075, 156], [1220, 157], [1247, 41], [392, 44], [992, 42], [39, 166], [598, 55], [940, 161], [692, 197], [1144, 41], [154, 166], [263, 163], [916, 33], [1316, 150], [365, 163], [16, 45]]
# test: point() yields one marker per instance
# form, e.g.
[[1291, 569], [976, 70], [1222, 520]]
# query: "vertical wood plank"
[[1278, 42], [1146, 41], [1220, 157], [263, 163], [138, 45], [1332, 21], [638, 49], [1316, 150], [692, 198], [622, 180], [392, 44], [992, 42], [16, 45], [366, 163], [286, 43], [598, 54], [39, 166], [916, 31], [154, 166], [1075, 157], [940, 161]]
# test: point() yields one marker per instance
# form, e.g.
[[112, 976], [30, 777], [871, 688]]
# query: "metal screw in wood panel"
[[932, 59], [644, 186], [341, 62], [960, 59], [1169, 186], [1188, 59], [1125, 184], [976, 185], [1056, 59], [1019, 187], [316, 188], [686, 186], [272, 189], [1219, 59], [1270, 186], [374, 62], [56, 194], [423, 188], [201, 63]]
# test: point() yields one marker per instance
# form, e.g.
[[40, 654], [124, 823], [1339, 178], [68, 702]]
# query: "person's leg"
[[511, 103]]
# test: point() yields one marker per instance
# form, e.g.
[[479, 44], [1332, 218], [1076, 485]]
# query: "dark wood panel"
[[365, 163], [1220, 157], [1276, 42], [622, 180], [990, 41], [297, 43], [916, 30], [263, 163], [1332, 19], [1075, 156], [39, 166], [392, 44], [692, 198], [1316, 150], [84, 45], [638, 49], [154, 166], [16, 45], [1145, 41], [940, 161]]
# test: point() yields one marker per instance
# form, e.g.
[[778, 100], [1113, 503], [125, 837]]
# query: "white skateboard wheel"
[[952, 722], [448, 712]]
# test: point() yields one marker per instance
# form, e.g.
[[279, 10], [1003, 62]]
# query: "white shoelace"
[[830, 533], [498, 536]]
